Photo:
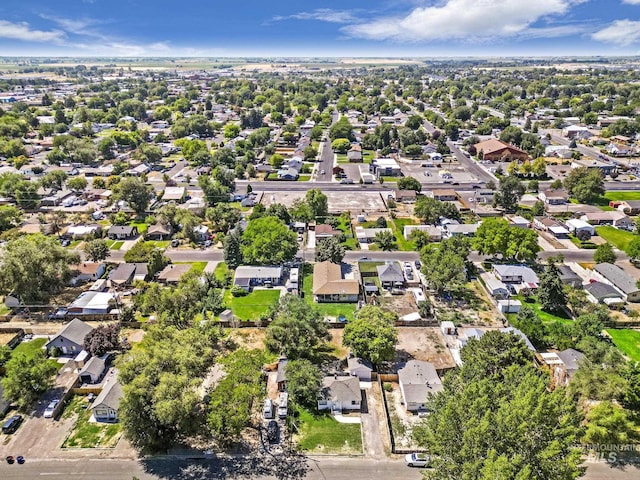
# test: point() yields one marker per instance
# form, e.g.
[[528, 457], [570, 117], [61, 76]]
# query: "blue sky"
[[319, 28]]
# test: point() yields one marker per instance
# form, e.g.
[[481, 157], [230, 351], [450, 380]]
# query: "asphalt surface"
[[325, 164]]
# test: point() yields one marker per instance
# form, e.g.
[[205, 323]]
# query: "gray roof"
[[566, 274], [110, 395], [281, 375], [74, 331], [570, 358], [121, 230], [600, 291], [248, 271], [525, 273], [418, 380], [345, 389], [618, 277], [122, 273], [95, 366], [356, 362], [390, 272]]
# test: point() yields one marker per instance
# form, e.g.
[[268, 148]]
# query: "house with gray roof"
[[516, 274], [360, 368], [600, 292], [339, 394], [569, 277], [619, 279], [5, 405], [105, 406], [70, 339], [281, 374], [418, 381], [390, 275], [122, 274], [248, 276], [122, 232], [93, 370]]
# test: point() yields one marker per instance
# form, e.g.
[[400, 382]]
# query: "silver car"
[[48, 412]]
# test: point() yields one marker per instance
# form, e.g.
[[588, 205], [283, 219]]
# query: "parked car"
[[272, 431], [417, 460], [175, 243], [59, 313], [207, 243], [267, 409], [48, 412], [12, 424], [283, 401], [418, 264]]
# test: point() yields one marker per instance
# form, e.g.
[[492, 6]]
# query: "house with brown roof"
[[406, 196], [445, 195], [496, 150], [159, 231], [87, 272], [325, 231], [354, 155], [173, 273], [329, 286]]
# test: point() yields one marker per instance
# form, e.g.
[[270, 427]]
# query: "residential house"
[[175, 194], [406, 196], [92, 303], [390, 275], [466, 334], [519, 274], [495, 287], [464, 229], [105, 406], [159, 231], [201, 233], [599, 292], [367, 235], [550, 225], [288, 174], [173, 273], [324, 231], [418, 381], [70, 338], [576, 226], [93, 370], [629, 207], [497, 151], [605, 167], [434, 233], [340, 394], [122, 274], [445, 195], [329, 286], [142, 272], [619, 279], [122, 232], [354, 155], [569, 277], [88, 272], [518, 221], [554, 197], [360, 368], [247, 276], [83, 231], [563, 364], [576, 131], [614, 218]]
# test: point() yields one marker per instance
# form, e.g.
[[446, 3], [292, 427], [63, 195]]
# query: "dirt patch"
[[426, 344], [250, 338], [336, 342], [400, 304], [6, 338]]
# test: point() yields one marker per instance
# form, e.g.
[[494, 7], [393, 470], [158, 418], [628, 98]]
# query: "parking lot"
[[431, 174], [339, 201]]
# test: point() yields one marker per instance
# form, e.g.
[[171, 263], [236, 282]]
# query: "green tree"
[[585, 184], [475, 429], [233, 248], [77, 184], [551, 294], [268, 241], [10, 217], [231, 130], [609, 424], [55, 180], [35, 266], [509, 192], [385, 240], [329, 249], [297, 330], [633, 248], [444, 265], [340, 145], [27, 377], [134, 191], [429, 210], [223, 216], [372, 335], [96, 250], [341, 129], [604, 254], [318, 203], [530, 323], [409, 183], [496, 236], [304, 380]]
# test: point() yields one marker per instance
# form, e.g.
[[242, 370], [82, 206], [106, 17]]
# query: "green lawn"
[[162, 244], [251, 306], [32, 347], [622, 195], [369, 267], [142, 227], [342, 158], [397, 225], [74, 243], [387, 178], [86, 434], [344, 225], [327, 309], [544, 316], [619, 238], [114, 244], [221, 271], [304, 178], [321, 433], [198, 266], [628, 341]]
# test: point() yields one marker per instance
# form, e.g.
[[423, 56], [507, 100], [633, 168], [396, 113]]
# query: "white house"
[[576, 225], [340, 393], [418, 381], [106, 405]]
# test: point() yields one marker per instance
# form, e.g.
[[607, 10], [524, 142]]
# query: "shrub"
[[237, 291], [387, 387]]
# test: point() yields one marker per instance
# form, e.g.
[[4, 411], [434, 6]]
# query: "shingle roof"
[[418, 379], [390, 272], [345, 389], [621, 279], [570, 358], [110, 395], [327, 280], [94, 366], [74, 331], [121, 230], [600, 291]]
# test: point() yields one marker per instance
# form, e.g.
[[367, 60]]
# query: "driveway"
[[373, 435]]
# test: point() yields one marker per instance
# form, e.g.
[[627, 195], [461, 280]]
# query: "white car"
[[417, 460], [48, 412]]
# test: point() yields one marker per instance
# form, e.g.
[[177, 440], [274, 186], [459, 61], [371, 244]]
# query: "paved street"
[[325, 164]]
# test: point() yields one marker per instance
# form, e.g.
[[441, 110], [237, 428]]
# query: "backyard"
[[32, 347], [86, 434], [251, 306], [628, 341], [327, 309], [619, 238], [321, 433], [397, 225]]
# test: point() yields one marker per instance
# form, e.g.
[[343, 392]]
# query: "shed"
[[93, 370], [360, 368]]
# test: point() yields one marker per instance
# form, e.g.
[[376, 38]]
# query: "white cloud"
[[620, 32], [22, 31], [466, 19], [321, 14], [631, 2]]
